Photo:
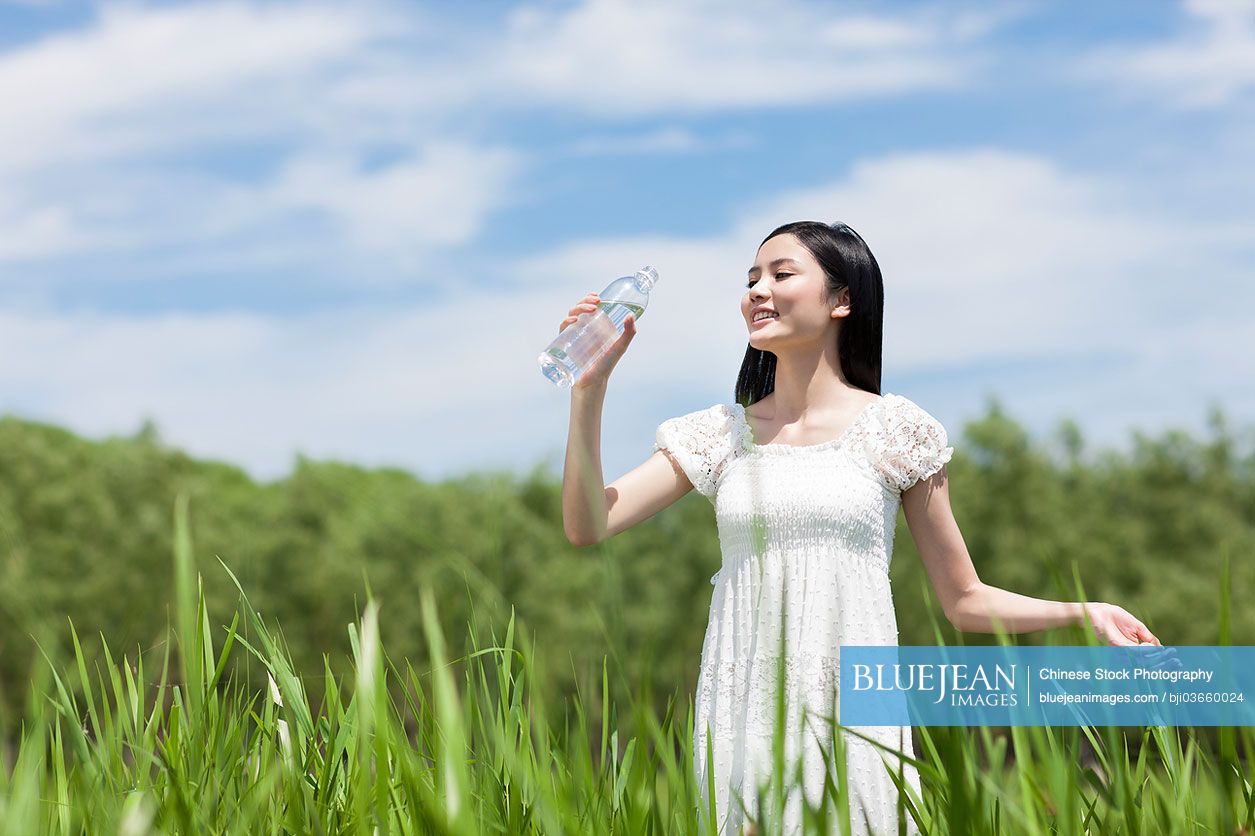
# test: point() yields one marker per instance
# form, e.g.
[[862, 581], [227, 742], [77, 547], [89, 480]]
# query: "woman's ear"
[[843, 301]]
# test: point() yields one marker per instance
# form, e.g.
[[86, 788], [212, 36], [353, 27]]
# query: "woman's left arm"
[[975, 607]]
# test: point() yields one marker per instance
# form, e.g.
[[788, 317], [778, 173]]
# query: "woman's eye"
[[751, 282]]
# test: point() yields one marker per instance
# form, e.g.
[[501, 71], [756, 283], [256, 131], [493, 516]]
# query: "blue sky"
[[346, 230]]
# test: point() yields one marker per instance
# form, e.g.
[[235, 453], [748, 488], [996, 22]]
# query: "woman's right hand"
[[600, 371], [1117, 626]]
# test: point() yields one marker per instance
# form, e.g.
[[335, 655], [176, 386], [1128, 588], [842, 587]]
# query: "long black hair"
[[847, 262]]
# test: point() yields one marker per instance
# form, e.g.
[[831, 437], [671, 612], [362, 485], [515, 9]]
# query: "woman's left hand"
[[1116, 626]]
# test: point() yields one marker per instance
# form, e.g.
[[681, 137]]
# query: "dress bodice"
[[843, 492]]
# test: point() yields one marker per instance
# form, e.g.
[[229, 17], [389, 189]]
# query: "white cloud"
[[31, 234], [673, 140], [76, 96], [426, 201], [1209, 64], [422, 387], [616, 58], [90, 114], [433, 198], [665, 140], [320, 208]]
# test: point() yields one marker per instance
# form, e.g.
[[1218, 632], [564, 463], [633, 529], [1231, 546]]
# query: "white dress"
[[806, 534]]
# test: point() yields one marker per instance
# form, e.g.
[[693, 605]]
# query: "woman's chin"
[[763, 332]]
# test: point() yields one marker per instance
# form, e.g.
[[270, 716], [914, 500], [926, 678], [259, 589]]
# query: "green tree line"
[[86, 534]]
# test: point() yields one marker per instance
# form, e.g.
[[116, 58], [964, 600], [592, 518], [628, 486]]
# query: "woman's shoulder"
[[908, 444], [710, 424], [700, 441], [900, 410]]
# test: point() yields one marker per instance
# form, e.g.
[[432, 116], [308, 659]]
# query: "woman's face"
[[786, 279]]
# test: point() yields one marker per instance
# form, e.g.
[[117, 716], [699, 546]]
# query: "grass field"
[[470, 747]]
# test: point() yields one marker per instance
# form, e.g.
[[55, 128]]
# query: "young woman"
[[806, 470]]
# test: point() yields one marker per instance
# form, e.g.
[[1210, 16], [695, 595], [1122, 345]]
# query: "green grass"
[[470, 747]]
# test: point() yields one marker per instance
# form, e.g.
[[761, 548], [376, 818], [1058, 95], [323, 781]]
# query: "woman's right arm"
[[592, 511], [584, 515]]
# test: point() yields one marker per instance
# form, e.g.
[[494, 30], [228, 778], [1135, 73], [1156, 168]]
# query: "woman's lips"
[[758, 322]]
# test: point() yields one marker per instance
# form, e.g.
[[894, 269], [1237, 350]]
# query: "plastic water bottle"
[[577, 348]]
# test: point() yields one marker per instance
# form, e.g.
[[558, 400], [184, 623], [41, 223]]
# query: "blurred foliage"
[[86, 534]]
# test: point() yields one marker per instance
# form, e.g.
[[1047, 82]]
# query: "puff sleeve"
[[700, 443], [912, 445]]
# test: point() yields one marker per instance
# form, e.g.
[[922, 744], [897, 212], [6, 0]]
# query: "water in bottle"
[[577, 348]]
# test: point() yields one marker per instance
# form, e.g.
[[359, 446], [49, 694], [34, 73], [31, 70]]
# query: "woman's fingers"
[[629, 331], [1131, 628], [586, 305], [581, 307]]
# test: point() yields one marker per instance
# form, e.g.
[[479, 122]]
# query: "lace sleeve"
[[700, 443], [913, 444]]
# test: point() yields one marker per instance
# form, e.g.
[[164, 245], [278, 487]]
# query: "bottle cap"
[[646, 277]]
